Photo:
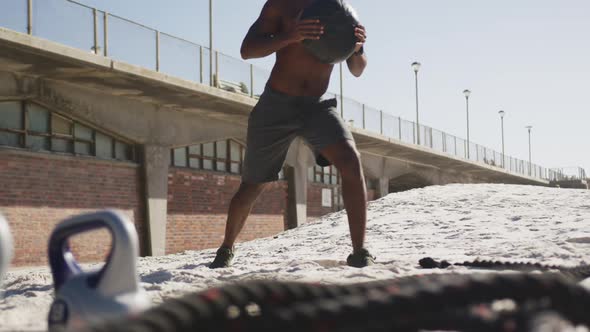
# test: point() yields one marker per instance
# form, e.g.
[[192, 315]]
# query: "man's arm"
[[358, 61], [265, 36]]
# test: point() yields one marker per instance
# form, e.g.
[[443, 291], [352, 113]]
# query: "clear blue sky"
[[527, 57]]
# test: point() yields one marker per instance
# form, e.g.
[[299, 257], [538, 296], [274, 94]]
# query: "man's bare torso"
[[296, 72]]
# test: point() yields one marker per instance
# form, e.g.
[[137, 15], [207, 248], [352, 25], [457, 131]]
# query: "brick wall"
[[314, 201], [40, 189], [197, 209]]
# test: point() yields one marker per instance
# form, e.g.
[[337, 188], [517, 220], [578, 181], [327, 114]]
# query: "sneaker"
[[360, 258], [223, 258]]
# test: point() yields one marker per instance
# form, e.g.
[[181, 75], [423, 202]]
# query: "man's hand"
[[361, 35], [305, 29], [358, 61]]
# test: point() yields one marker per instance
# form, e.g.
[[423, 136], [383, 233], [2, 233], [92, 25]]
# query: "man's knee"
[[248, 192], [348, 162]]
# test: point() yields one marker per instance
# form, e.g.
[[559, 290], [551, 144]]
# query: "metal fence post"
[[201, 64], [157, 50], [106, 34], [95, 18], [30, 17], [399, 123], [364, 118], [216, 84], [381, 121], [252, 80]]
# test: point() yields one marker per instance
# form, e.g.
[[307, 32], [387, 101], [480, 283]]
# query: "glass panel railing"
[[64, 22], [438, 140], [234, 75], [372, 119], [461, 148], [450, 144], [569, 173], [391, 126], [13, 15], [498, 158], [131, 42], [353, 112], [260, 78], [491, 156], [425, 136], [481, 154], [207, 72], [331, 95], [408, 131], [180, 58]]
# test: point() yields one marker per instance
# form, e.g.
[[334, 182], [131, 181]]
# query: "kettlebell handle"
[[123, 252]]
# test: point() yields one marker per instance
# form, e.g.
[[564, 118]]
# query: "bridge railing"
[[83, 27], [569, 174]]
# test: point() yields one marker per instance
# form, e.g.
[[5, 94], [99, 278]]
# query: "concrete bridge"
[[159, 112]]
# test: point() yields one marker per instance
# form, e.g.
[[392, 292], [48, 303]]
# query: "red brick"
[[39, 190], [197, 209]]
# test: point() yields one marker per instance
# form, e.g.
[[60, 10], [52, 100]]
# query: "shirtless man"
[[289, 107]]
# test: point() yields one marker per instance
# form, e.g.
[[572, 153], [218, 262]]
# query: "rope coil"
[[448, 301]]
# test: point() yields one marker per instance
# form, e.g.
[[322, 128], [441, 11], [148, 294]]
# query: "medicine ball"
[[339, 20]]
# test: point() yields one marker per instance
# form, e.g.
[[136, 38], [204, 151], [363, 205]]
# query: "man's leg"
[[239, 209], [346, 158]]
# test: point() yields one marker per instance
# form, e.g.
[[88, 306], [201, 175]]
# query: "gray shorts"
[[277, 120]]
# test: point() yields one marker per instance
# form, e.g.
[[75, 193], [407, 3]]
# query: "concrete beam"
[[376, 167], [141, 122], [156, 162]]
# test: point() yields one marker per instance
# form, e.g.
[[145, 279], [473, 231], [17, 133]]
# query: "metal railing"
[[569, 174], [83, 27]]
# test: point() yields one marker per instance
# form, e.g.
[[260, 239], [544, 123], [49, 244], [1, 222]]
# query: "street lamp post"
[[502, 113], [467, 93], [530, 154], [416, 66]]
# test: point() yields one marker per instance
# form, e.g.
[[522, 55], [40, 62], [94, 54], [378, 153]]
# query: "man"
[[289, 107]]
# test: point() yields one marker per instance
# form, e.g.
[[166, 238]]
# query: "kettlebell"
[[6, 249], [83, 298]]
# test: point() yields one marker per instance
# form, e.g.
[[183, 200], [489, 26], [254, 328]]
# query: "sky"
[[526, 57]]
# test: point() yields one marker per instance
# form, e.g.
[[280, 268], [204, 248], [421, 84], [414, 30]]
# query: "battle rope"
[[448, 302], [576, 273]]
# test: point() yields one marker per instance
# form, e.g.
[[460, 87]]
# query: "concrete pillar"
[[156, 163], [299, 160], [383, 187]]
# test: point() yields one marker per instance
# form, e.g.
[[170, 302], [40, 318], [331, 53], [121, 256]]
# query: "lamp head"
[[502, 113], [467, 93], [416, 66]]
